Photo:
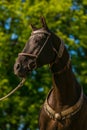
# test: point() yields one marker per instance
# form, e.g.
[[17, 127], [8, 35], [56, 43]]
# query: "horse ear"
[[43, 22], [33, 27]]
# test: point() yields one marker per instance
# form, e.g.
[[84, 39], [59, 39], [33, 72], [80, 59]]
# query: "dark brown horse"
[[65, 107]]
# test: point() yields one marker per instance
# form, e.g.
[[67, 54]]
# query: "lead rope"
[[18, 86]]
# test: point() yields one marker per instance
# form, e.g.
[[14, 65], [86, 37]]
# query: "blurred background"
[[66, 18]]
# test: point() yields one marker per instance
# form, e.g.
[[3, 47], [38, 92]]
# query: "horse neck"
[[66, 88]]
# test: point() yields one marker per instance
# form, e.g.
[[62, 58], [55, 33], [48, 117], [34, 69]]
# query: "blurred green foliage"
[[68, 19]]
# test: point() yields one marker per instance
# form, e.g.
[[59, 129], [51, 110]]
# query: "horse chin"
[[22, 74]]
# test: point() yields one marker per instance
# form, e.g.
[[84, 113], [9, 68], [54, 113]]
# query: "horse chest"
[[46, 123], [56, 125]]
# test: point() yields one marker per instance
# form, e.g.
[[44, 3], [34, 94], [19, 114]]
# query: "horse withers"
[[65, 106]]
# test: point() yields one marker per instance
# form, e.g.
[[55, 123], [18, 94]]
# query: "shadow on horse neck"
[[66, 90]]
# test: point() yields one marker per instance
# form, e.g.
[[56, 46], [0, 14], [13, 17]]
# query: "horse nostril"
[[18, 66]]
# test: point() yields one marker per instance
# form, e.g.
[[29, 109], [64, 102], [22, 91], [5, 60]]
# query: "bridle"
[[58, 53]]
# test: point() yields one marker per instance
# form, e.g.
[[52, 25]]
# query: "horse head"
[[38, 51]]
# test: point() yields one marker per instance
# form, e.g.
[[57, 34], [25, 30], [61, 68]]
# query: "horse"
[[66, 104]]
